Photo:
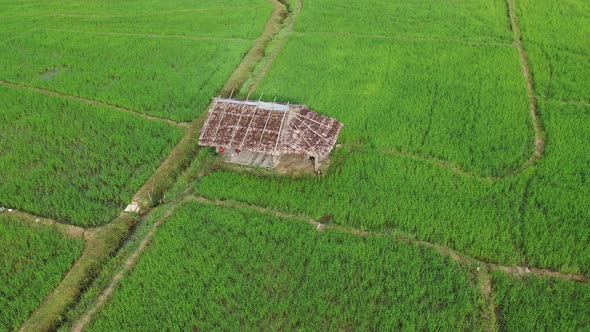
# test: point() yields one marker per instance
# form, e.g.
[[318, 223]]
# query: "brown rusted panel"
[[236, 124]]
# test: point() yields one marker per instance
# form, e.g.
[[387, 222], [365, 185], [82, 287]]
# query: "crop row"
[[557, 39], [460, 103], [166, 77], [34, 259], [541, 304], [463, 104], [469, 20], [236, 270], [74, 162]]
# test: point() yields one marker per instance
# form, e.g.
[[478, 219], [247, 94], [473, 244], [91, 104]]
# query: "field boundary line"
[[539, 135], [539, 139], [395, 151], [572, 102], [150, 35], [485, 281], [128, 264], [451, 253], [148, 196], [183, 125], [30, 219], [99, 243], [409, 39]]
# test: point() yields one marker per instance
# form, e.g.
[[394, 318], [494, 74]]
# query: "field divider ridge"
[[539, 138], [108, 239], [456, 256], [572, 102], [182, 125], [30, 219], [99, 243], [128, 264]]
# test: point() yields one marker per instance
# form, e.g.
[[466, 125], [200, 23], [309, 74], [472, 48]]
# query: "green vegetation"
[[467, 20], [104, 270], [419, 114], [165, 77], [165, 59], [557, 217], [541, 304], [556, 36], [73, 162], [461, 103], [369, 190], [33, 259], [235, 269], [119, 8], [440, 144]]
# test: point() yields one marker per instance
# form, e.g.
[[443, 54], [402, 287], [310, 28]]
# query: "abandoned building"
[[262, 134]]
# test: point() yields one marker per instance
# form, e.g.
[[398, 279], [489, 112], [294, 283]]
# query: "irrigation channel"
[[105, 241]]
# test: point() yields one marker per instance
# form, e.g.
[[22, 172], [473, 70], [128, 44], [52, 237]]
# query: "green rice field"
[[456, 198], [541, 304], [73, 162], [249, 270], [34, 259]]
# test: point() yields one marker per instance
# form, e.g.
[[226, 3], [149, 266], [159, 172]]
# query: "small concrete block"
[[132, 208]]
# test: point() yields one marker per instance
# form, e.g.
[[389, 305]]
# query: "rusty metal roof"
[[270, 128]]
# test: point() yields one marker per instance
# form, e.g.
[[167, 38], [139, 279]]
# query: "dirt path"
[[99, 244], [273, 27], [526, 72], [489, 310], [93, 102], [69, 230], [454, 255], [127, 265], [155, 186]]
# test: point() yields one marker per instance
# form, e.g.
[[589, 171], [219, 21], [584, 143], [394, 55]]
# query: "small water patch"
[[49, 74]]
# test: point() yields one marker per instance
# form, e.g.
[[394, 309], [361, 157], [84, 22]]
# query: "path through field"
[[179, 158], [127, 265], [94, 102]]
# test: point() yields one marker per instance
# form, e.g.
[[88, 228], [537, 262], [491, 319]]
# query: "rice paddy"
[[456, 198]]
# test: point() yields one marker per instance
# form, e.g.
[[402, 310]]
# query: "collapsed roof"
[[269, 128]]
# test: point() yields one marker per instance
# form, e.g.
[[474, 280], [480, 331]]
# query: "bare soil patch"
[[295, 164]]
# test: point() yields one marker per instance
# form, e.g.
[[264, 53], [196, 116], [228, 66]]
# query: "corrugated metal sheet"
[[269, 128]]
